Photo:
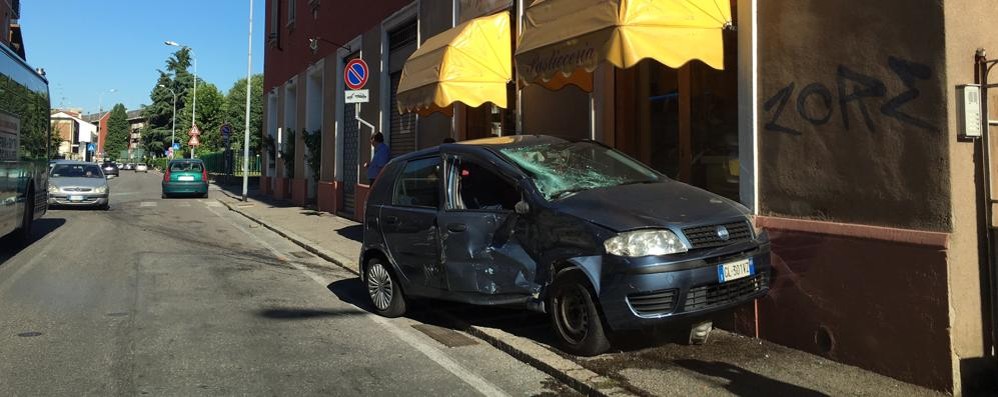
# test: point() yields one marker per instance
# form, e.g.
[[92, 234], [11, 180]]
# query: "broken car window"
[[561, 169], [417, 186], [476, 187]]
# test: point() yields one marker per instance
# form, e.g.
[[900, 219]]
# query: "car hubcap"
[[379, 286], [572, 314]]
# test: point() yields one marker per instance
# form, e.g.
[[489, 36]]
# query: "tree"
[[235, 107], [117, 130], [156, 135], [210, 117]]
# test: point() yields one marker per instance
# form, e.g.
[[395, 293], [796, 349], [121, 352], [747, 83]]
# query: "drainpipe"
[[984, 67]]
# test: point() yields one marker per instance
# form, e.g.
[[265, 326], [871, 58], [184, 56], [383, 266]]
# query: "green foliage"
[[210, 117], [31, 107], [269, 146], [313, 142], [117, 130], [235, 106], [288, 153]]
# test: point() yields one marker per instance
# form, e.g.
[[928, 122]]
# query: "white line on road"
[[477, 382], [148, 204], [183, 204]]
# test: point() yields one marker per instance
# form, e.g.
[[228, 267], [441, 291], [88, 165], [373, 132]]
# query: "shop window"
[[683, 122]]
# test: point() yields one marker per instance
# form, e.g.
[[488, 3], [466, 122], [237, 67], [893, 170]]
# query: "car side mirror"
[[522, 207]]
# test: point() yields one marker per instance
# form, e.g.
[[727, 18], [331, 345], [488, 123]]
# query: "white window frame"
[[292, 12], [401, 17]]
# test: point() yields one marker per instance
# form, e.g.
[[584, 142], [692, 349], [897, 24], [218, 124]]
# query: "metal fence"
[[215, 162]]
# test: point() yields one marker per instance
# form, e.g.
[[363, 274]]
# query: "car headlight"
[[53, 188], [644, 243], [100, 189]]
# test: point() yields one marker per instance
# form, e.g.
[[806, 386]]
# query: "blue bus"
[[25, 145]]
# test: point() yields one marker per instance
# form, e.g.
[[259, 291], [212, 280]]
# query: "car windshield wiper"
[[568, 192]]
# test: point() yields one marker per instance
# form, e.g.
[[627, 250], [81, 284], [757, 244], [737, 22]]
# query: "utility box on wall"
[[968, 100]]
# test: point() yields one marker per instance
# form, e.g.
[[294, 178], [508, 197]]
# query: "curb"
[[529, 352]]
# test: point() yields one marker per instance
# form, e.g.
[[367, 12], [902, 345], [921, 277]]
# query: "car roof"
[[74, 162], [493, 144]]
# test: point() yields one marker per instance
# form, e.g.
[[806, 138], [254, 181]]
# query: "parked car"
[[141, 167], [129, 167], [185, 177], [575, 229], [77, 183], [110, 169]]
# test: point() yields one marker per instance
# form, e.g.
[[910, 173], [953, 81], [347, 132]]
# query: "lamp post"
[[100, 116], [249, 90], [194, 106], [173, 131]]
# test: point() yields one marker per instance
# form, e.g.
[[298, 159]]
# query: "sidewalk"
[[728, 364]]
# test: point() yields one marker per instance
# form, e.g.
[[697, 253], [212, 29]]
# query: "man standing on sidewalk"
[[379, 159]]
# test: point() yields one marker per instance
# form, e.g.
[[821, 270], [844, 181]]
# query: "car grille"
[[653, 303], [77, 189], [708, 236], [708, 296]]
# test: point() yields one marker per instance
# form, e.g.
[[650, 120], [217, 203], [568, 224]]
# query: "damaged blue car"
[[574, 229]]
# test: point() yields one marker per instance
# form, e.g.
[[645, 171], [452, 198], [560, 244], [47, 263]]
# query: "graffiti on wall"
[[854, 97]]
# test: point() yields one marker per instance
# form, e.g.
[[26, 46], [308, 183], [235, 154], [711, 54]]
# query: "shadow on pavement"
[[518, 322], [355, 232], [743, 382], [10, 247], [304, 314]]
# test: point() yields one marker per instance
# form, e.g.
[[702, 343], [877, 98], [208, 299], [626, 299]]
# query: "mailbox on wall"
[[971, 117]]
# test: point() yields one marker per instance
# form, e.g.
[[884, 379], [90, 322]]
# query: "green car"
[[186, 177]]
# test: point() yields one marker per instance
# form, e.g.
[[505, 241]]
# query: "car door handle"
[[391, 220], [457, 227]]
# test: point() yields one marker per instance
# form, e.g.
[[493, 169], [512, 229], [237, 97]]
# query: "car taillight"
[[204, 174], [166, 175]]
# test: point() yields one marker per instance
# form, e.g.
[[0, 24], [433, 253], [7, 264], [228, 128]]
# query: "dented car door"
[[480, 240]]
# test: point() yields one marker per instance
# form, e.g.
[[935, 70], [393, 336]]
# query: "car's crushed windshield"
[[76, 171], [560, 169]]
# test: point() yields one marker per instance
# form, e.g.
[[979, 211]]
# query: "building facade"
[[73, 131], [837, 123]]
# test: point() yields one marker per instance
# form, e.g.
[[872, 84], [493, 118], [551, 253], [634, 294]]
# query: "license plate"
[[185, 178], [735, 270], [75, 198]]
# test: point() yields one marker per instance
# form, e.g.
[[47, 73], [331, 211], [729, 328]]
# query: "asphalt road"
[[183, 297]]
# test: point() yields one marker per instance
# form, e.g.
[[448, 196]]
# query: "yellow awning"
[[569, 36], [470, 63]]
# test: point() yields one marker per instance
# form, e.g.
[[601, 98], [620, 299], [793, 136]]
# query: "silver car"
[[75, 183], [141, 167]]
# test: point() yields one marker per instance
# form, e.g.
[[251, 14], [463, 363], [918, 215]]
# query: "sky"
[[91, 46]]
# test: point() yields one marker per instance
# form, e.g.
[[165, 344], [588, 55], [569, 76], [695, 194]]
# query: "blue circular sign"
[[355, 74]]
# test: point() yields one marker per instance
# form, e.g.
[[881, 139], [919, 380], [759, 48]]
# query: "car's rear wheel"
[[575, 317], [384, 290]]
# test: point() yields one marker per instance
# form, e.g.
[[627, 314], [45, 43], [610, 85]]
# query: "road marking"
[[213, 204], [183, 204], [480, 384], [147, 204]]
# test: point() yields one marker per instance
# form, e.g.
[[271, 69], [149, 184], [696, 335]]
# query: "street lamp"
[[249, 90], [194, 106], [173, 132]]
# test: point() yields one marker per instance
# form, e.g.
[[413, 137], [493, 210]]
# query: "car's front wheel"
[[384, 290], [574, 315]]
